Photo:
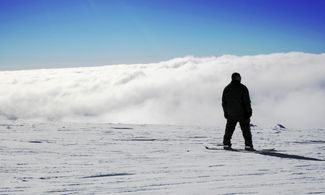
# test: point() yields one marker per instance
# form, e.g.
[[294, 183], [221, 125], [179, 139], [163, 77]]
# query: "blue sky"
[[65, 33]]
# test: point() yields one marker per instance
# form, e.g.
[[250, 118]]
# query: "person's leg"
[[246, 130], [230, 128]]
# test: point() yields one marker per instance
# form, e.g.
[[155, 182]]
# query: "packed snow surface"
[[90, 158]]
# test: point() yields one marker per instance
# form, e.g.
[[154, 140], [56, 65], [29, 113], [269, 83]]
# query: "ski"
[[241, 150]]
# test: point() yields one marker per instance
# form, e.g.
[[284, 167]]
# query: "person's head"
[[235, 77]]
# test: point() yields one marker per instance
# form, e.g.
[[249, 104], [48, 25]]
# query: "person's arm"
[[247, 103], [224, 103]]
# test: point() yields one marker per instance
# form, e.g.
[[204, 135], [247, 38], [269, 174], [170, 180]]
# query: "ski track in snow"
[[76, 158]]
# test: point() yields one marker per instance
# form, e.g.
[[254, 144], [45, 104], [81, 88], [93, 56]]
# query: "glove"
[[248, 115], [226, 115]]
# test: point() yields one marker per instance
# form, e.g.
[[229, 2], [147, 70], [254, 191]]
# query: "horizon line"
[[70, 66]]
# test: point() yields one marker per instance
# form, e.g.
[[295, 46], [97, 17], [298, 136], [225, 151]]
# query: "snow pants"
[[245, 127]]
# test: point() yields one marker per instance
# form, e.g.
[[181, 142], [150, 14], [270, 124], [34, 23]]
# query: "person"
[[236, 105]]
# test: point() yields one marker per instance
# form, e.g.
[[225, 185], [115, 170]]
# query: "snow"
[[104, 158]]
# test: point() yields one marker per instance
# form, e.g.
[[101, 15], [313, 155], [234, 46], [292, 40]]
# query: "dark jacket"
[[236, 101]]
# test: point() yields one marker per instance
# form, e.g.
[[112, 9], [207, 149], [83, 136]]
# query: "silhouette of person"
[[236, 105]]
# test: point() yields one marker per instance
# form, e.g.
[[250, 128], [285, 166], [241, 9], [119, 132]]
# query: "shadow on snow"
[[284, 155]]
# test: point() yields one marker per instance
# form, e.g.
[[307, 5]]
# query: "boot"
[[249, 148], [227, 147]]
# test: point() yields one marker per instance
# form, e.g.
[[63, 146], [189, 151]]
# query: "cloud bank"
[[287, 88]]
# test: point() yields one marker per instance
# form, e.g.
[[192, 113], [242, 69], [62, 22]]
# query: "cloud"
[[286, 88]]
